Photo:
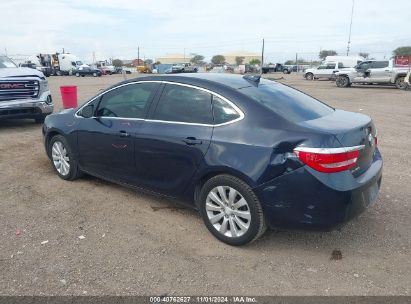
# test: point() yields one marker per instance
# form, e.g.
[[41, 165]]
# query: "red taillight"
[[329, 160]]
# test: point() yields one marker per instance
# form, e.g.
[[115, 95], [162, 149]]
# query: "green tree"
[[218, 59], [117, 62], [255, 61], [324, 53], [402, 51], [364, 55], [239, 60], [148, 61], [197, 59]]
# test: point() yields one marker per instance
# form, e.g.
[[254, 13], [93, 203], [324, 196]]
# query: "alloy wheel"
[[60, 158], [228, 211]]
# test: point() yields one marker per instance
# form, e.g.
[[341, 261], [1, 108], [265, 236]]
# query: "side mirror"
[[87, 111]]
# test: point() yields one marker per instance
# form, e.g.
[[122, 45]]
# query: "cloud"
[[116, 27]]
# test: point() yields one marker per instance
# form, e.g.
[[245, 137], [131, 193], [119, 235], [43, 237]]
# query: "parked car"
[[373, 72], [84, 71], [246, 152], [184, 68], [24, 92], [278, 67]]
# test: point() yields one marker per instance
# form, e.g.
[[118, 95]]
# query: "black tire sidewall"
[[249, 196], [73, 164]]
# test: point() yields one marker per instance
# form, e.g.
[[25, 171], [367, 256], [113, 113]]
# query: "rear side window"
[[378, 64], [184, 104], [340, 65], [330, 66], [222, 111], [289, 103]]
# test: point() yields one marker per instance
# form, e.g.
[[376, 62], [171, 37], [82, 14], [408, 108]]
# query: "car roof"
[[204, 80]]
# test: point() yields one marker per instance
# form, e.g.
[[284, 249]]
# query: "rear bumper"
[[309, 200], [27, 108]]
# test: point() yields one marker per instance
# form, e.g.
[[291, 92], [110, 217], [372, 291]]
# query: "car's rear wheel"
[[342, 82], [95, 74], [62, 158], [231, 211], [400, 83], [309, 76], [77, 74]]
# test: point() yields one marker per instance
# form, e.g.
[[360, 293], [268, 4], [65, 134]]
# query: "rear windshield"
[[287, 102]]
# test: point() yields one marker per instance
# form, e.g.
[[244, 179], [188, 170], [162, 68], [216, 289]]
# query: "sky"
[[115, 28]]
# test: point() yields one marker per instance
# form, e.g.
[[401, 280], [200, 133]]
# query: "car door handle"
[[124, 134], [191, 141]]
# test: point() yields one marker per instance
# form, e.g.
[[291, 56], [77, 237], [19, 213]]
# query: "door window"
[[378, 64], [129, 101], [184, 104], [330, 66], [222, 111]]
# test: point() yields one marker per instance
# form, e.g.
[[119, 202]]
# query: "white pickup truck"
[[373, 72]]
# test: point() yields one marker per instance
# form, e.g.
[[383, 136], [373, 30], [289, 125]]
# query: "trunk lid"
[[350, 129]]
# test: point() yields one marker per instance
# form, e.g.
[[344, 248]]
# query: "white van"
[[347, 61], [332, 65]]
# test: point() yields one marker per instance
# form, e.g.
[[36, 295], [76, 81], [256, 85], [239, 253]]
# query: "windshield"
[[287, 102], [6, 63]]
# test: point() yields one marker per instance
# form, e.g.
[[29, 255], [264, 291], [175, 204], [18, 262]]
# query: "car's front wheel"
[[95, 74], [231, 211], [62, 158], [77, 74]]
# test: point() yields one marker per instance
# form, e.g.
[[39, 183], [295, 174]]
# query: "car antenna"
[[253, 79]]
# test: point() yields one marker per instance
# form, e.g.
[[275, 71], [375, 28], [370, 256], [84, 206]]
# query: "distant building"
[[248, 56], [173, 58]]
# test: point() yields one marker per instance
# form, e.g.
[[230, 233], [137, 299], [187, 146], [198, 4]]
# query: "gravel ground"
[[139, 244]]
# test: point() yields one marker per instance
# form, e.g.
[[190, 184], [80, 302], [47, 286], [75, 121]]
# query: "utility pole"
[[296, 60], [5, 51], [184, 55], [262, 58], [138, 55], [349, 36]]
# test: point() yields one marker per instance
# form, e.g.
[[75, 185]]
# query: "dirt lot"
[[140, 244]]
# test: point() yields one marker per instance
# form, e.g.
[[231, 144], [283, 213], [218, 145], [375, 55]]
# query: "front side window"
[[330, 66], [129, 101], [184, 104], [222, 111], [340, 65]]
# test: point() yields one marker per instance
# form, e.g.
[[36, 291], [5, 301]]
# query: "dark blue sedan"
[[246, 152]]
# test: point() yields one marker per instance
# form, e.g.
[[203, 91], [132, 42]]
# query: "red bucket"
[[69, 96]]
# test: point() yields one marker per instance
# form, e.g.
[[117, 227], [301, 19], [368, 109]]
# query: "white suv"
[[325, 70]]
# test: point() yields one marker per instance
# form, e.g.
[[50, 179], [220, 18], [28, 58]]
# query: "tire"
[[219, 188], [342, 81], [95, 74], [73, 172], [40, 119], [309, 76], [59, 73], [286, 72], [77, 74], [400, 83]]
